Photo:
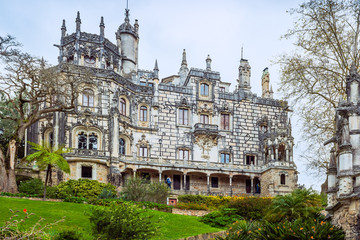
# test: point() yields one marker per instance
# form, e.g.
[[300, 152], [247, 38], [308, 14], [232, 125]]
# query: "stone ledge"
[[206, 236]]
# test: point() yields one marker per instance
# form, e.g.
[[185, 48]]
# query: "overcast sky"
[[202, 27]]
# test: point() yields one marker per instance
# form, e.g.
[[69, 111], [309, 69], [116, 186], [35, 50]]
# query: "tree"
[[32, 91], [313, 77], [47, 157]]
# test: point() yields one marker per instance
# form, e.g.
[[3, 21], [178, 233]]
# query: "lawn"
[[172, 226]]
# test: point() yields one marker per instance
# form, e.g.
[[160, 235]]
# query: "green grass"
[[172, 226]]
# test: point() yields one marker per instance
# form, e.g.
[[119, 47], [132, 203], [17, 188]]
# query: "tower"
[[127, 41], [265, 83]]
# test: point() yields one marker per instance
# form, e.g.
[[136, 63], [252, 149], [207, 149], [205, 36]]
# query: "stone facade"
[[343, 176], [187, 126]]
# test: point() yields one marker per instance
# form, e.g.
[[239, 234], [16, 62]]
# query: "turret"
[[208, 63], [128, 41], [156, 70], [244, 75], [265, 83]]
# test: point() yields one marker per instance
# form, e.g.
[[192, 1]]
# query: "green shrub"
[[187, 198], [75, 199], [51, 191], [301, 203], [68, 235], [192, 206], [32, 186], [250, 208], [222, 218], [124, 221], [140, 190], [107, 194], [243, 230], [85, 188]]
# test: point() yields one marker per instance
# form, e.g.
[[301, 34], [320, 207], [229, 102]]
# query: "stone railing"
[[201, 127], [89, 153], [172, 88]]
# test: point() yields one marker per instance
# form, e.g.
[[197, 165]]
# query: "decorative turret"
[[208, 63], [128, 41], [244, 75], [265, 82], [102, 27], [184, 70], [78, 22]]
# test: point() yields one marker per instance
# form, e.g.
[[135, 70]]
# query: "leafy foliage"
[[85, 188], [140, 190], [250, 208], [32, 186], [68, 235], [222, 218], [301, 203], [123, 221], [106, 194]]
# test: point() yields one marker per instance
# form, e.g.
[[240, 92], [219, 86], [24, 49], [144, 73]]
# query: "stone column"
[[115, 137], [345, 171], [287, 159], [271, 153], [276, 153], [252, 185], [230, 183], [184, 188], [160, 176], [208, 182], [134, 173], [56, 133]]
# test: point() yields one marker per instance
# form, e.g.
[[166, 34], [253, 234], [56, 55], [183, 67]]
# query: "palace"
[[188, 126]]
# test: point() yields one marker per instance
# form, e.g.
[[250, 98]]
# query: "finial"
[[242, 52], [271, 90], [127, 19], [184, 62], [78, 22], [42, 63], [63, 29], [136, 26], [208, 63], [156, 70]]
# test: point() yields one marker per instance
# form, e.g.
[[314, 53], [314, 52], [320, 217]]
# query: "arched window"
[[88, 98], [86, 141], [282, 179], [122, 146], [143, 113], [51, 139], [204, 89], [122, 106]]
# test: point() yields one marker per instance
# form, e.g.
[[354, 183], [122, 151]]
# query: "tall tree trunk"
[[3, 175], [48, 172], [11, 185]]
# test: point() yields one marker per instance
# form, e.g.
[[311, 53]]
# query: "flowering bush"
[[14, 227], [193, 206]]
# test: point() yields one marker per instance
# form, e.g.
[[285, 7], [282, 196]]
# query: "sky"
[[202, 27]]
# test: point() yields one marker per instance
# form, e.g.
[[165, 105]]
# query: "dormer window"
[[204, 89], [88, 98]]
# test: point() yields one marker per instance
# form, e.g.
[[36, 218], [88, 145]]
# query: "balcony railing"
[[207, 128], [90, 152]]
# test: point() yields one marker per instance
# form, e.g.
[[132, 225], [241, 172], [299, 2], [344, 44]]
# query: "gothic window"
[[282, 152], [250, 160], [225, 157], [51, 139], [282, 179], [88, 98], [82, 141], [86, 141], [122, 146], [225, 121], [184, 154], [122, 106], [183, 116], [143, 113], [143, 151], [214, 182], [204, 118], [89, 61], [86, 171], [204, 89]]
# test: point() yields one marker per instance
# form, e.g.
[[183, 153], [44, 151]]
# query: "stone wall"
[[347, 217], [271, 185]]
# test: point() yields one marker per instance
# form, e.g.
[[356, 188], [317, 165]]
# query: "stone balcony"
[[202, 128], [89, 153]]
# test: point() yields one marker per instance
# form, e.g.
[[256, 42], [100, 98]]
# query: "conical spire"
[[78, 22], [156, 65], [184, 62], [102, 27], [156, 70]]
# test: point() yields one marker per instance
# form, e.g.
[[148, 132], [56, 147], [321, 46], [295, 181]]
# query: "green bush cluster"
[[124, 221], [212, 202], [32, 186], [222, 218], [146, 205], [140, 190], [83, 188], [192, 206], [250, 208]]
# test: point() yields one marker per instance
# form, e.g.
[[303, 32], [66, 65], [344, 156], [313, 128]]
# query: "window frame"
[[88, 97], [227, 157], [143, 113], [204, 89], [214, 182], [143, 151], [90, 172], [250, 156], [204, 117], [183, 116], [282, 179], [122, 106], [183, 153], [122, 148], [225, 123]]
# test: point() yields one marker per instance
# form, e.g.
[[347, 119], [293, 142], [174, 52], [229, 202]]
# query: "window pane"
[[122, 106], [86, 172], [214, 182], [122, 146], [93, 141], [91, 101], [82, 141], [186, 154], [143, 114]]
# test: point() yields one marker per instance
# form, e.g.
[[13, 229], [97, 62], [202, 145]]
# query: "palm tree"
[[48, 157]]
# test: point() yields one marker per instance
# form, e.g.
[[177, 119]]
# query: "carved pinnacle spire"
[[184, 62], [156, 69], [208, 63], [102, 27], [156, 65], [78, 22], [63, 29]]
